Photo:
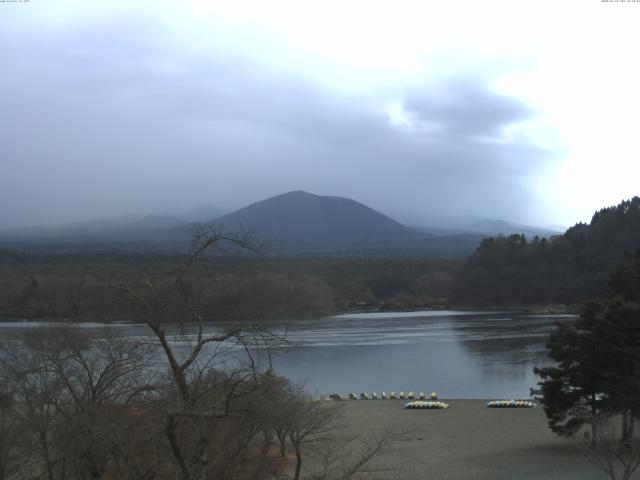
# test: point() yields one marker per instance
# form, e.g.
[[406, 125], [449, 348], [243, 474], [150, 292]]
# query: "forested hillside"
[[570, 268]]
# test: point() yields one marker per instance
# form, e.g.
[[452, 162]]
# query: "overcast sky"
[[520, 110]]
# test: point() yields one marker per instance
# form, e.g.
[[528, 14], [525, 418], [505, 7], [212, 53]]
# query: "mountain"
[[303, 220], [201, 213], [486, 227], [301, 223], [293, 224], [500, 227]]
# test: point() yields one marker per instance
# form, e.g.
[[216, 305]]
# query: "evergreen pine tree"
[[597, 360]]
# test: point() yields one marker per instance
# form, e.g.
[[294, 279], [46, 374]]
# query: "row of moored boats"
[[384, 396], [420, 400]]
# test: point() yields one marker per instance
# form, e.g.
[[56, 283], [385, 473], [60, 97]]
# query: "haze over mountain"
[[294, 223], [147, 229], [487, 227], [201, 213], [500, 227]]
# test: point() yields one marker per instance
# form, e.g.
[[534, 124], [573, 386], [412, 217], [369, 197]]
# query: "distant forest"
[[80, 286], [569, 269], [504, 271]]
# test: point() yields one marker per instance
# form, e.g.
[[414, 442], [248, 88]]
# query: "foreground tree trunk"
[[203, 456], [296, 475], [283, 450], [625, 426], [628, 425], [594, 422]]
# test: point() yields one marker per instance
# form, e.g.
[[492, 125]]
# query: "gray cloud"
[[466, 109], [113, 118]]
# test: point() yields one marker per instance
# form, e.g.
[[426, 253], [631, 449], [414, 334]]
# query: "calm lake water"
[[459, 354]]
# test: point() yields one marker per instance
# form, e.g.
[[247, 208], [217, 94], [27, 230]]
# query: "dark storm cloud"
[[116, 118]]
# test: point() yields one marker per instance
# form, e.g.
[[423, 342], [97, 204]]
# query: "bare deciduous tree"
[[35, 393], [308, 419], [10, 454], [67, 392], [342, 457], [617, 457], [313, 429], [206, 398]]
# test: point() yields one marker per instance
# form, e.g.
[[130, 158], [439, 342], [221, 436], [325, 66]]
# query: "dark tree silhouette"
[[597, 360], [572, 268]]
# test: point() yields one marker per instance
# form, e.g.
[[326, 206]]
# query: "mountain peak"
[[298, 193], [302, 194], [307, 220]]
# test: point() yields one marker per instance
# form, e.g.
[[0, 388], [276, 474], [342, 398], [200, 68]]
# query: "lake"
[[459, 354]]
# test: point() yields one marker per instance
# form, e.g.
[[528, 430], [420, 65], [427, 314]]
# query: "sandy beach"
[[470, 441]]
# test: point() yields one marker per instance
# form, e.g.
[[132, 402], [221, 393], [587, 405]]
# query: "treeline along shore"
[[81, 286], [504, 271]]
